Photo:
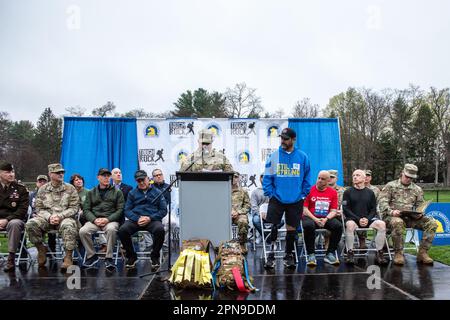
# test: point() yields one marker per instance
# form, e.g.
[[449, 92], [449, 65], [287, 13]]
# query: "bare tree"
[[439, 101], [305, 109], [241, 101], [105, 110], [76, 111]]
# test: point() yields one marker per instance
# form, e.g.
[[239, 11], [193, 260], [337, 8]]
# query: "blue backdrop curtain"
[[93, 143], [320, 140]]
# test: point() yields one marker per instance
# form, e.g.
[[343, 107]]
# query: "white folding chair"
[[320, 249], [117, 254], [276, 246], [362, 252]]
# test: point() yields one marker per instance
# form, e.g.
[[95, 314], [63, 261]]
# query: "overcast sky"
[[144, 54]]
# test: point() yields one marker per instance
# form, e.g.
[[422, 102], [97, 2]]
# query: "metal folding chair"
[[117, 254], [370, 246], [276, 246]]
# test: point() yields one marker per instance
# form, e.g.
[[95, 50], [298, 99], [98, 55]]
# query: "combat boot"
[[42, 254], [381, 260], [67, 260], [243, 247], [11, 263], [399, 258], [422, 256]]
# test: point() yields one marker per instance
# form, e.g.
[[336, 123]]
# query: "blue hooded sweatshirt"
[[287, 176]]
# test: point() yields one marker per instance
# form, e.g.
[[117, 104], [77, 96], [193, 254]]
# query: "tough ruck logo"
[[181, 128], [151, 156]]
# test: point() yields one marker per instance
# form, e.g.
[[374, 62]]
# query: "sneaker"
[[131, 262], [109, 264], [90, 262], [350, 258], [289, 261], [311, 261], [331, 259], [270, 263], [155, 264]]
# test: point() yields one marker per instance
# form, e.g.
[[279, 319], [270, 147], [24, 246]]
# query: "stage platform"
[[324, 282]]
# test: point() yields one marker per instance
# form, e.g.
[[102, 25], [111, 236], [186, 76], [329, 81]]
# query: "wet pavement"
[[324, 282]]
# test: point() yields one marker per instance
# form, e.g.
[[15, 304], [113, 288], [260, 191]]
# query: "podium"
[[205, 205]]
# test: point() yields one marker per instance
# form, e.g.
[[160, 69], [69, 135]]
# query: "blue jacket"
[[287, 176], [140, 204]]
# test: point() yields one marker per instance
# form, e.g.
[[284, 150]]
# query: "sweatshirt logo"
[[284, 170]]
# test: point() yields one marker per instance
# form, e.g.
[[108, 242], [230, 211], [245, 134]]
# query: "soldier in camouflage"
[[240, 203], [57, 204], [375, 190], [333, 184], [205, 157], [404, 195]]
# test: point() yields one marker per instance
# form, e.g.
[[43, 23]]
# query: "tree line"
[[379, 130]]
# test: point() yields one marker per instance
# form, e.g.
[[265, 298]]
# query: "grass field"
[[435, 195]]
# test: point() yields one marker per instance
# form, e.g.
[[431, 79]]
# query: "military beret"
[[6, 166]]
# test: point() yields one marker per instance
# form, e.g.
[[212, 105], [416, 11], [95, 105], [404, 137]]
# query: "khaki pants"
[[89, 229]]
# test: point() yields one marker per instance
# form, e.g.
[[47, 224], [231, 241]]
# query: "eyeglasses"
[[140, 180], [59, 173], [285, 139]]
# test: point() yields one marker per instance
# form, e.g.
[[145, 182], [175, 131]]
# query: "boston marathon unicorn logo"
[[214, 128], [151, 131], [273, 131], [181, 156], [244, 157]]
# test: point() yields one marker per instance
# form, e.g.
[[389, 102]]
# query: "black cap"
[[6, 166], [140, 174], [288, 133], [103, 171]]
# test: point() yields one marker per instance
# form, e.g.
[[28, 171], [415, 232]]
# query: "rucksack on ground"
[[231, 269]]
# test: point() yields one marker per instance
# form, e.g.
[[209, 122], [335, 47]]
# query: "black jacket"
[[13, 202]]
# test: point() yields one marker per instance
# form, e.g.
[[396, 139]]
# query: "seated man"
[[240, 202], [57, 204], [13, 210], [103, 209], [404, 195], [319, 211], [360, 210], [144, 213]]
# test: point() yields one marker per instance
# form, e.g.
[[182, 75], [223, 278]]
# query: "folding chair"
[[370, 247], [276, 246], [139, 246], [117, 254], [22, 246], [413, 239], [320, 250]]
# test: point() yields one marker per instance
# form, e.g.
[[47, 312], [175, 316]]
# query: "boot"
[[350, 258], [381, 260], [42, 254], [11, 263], [243, 247], [399, 258], [422, 256], [67, 260]]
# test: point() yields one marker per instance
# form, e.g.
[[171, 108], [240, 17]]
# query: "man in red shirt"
[[319, 212]]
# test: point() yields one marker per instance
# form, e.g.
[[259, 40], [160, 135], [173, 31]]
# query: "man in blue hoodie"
[[145, 213], [286, 182]]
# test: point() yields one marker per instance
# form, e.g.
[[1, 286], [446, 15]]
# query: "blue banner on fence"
[[441, 213]]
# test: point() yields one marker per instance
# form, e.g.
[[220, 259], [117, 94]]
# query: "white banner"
[[247, 143]]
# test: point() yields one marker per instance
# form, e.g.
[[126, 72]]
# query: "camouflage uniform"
[[375, 190], [63, 201], [396, 196], [214, 160], [340, 191], [241, 203]]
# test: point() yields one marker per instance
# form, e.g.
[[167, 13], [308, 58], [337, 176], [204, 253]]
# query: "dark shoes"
[[350, 257], [289, 261], [381, 260], [91, 262], [109, 264], [270, 263], [155, 264], [11, 263], [131, 262]]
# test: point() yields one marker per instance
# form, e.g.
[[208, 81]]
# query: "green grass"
[[444, 195], [440, 253]]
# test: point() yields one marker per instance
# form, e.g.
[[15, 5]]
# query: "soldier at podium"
[[205, 158]]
